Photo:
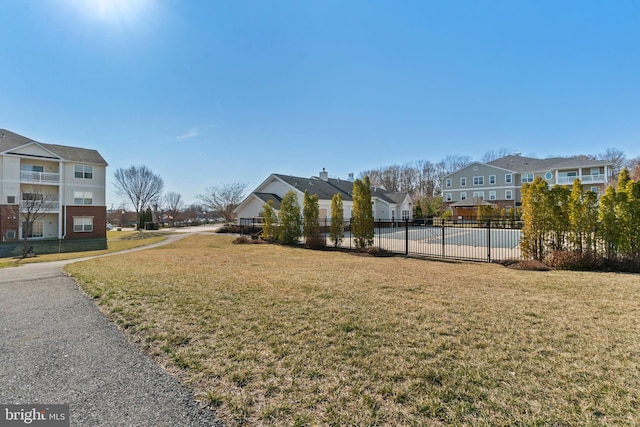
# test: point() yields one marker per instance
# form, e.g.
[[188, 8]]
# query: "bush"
[[246, 241], [574, 260], [623, 264], [315, 242], [377, 251], [529, 265]]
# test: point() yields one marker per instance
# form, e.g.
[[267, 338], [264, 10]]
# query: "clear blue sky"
[[210, 92]]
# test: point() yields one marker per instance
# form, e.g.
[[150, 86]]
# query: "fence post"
[[406, 236], [489, 240], [443, 245]]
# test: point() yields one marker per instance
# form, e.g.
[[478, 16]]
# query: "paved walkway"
[[57, 348]]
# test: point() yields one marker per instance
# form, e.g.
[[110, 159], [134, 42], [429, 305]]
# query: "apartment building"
[[66, 185], [499, 182]]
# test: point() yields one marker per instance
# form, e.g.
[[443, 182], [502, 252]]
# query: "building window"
[[37, 229], [447, 197], [492, 179], [405, 214], [463, 181], [492, 195], [82, 198], [11, 234], [463, 195], [448, 182], [478, 195], [478, 180], [32, 196], [82, 224], [508, 178], [11, 200], [83, 171], [32, 168], [526, 177], [508, 195], [595, 171]]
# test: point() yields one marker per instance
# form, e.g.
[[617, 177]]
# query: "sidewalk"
[[57, 348]]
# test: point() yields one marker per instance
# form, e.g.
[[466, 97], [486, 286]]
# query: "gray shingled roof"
[[10, 141], [521, 164], [327, 189], [265, 197], [324, 189]]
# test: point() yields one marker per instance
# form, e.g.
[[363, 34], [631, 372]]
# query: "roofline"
[[32, 142], [482, 164], [245, 201]]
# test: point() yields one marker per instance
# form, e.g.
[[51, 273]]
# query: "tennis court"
[[457, 242]]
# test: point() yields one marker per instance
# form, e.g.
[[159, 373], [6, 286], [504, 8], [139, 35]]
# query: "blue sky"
[[211, 92]]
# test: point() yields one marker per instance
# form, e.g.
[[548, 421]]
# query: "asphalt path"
[[57, 348]]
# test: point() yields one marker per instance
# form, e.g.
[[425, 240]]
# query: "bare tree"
[[140, 185], [174, 206], [224, 198], [33, 206], [427, 180], [616, 157], [449, 165], [157, 209], [452, 163], [408, 181], [495, 154], [193, 213]]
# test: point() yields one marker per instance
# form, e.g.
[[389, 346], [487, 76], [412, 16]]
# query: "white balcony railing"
[[39, 177], [594, 179], [39, 206], [584, 179]]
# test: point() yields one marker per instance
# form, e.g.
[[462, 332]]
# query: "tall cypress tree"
[[336, 232], [362, 221], [535, 218], [558, 215], [577, 216], [311, 219], [269, 226], [608, 229], [290, 219], [591, 220], [633, 188]]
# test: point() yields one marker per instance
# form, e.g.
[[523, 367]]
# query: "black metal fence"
[[494, 240]]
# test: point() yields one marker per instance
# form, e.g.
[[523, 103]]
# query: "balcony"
[[39, 206], [584, 179], [39, 177], [599, 178]]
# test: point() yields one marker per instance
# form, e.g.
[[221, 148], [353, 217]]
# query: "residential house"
[[67, 182], [386, 205], [499, 182]]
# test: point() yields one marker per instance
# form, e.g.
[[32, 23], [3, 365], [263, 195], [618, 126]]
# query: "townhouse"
[[386, 205]]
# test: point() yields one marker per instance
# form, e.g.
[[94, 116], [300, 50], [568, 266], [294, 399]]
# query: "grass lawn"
[[116, 241], [270, 335]]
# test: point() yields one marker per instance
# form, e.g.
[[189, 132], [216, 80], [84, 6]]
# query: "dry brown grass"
[[270, 335]]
